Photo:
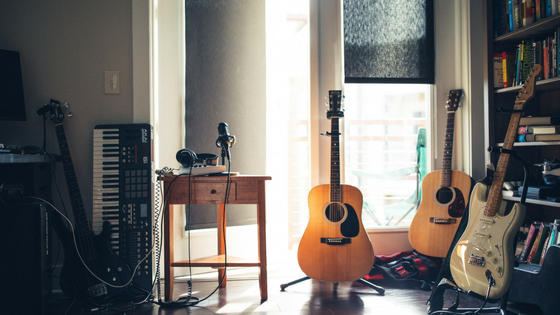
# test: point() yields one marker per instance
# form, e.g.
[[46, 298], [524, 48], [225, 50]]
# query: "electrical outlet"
[[112, 82]]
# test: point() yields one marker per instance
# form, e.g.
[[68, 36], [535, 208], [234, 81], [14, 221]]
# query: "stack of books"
[[540, 237], [539, 129]]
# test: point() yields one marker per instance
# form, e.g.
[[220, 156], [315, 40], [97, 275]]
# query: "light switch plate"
[[112, 82]]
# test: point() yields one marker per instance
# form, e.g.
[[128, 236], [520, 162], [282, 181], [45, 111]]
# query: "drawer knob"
[[213, 191]]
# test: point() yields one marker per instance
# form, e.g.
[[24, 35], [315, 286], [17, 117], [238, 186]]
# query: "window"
[[382, 155]]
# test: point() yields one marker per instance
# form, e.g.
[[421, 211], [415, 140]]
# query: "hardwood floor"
[[241, 296]]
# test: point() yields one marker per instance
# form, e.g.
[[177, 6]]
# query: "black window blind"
[[388, 41]]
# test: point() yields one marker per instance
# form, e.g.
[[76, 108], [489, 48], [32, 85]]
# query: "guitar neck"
[[81, 222], [335, 194], [494, 199], [448, 150]]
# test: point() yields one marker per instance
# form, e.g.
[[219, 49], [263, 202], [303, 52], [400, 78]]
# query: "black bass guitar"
[[91, 270]]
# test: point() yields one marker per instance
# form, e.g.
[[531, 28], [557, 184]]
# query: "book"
[[544, 130], [527, 12], [508, 62], [510, 15], [545, 233], [537, 137], [544, 249], [518, 62], [525, 60], [498, 71], [546, 120], [531, 235], [538, 129], [534, 254], [553, 232]]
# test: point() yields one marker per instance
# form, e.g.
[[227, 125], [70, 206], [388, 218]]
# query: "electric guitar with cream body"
[[482, 260]]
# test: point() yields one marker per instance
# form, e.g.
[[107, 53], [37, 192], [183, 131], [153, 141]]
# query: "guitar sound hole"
[[334, 212], [444, 195]]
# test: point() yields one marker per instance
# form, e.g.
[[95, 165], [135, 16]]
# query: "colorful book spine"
[[534, 247], [545, 231], [510, 15], [498, 71], [527, 12], [554, 232], [526, 61], [529, 241], [508, 60], [519, 55], [544, 249]]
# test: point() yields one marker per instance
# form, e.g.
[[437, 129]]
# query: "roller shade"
[[388, 41]]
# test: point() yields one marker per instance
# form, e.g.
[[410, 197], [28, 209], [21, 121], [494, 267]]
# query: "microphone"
[[44, 109], [225, 140]]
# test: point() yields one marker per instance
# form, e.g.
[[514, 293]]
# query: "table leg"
[[168, 255], [261, 225], [221, 240]]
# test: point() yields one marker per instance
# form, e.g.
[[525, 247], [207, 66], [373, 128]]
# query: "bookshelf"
[[545, 103]]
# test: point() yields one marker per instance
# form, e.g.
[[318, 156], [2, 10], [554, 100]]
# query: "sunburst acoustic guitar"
[[444, 198], [335, 246], [482, 260]]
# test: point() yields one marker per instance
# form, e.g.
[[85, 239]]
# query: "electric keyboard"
[[122, 193]]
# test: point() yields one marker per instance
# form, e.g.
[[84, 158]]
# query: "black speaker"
[[25, 266]]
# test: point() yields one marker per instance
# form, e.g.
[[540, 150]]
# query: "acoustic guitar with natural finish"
[[444, 196], [335, 246]]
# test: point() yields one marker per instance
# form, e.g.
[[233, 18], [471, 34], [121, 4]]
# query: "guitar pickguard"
[[351, 226], [457, 208]]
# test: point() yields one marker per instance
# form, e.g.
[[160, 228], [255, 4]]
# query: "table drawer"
[[215, 192]]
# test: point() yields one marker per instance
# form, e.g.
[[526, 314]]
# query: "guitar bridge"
[[477, 260], [336, 240], [97, 290], [437, 220]]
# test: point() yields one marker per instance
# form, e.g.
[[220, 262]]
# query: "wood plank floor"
[[311, 297]]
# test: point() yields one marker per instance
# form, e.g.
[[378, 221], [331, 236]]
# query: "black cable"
[[181, 302]]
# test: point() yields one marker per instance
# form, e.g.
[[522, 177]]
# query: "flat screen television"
[[12, 103]]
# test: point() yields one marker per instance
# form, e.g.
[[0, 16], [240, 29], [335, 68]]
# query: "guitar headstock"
[[454, 100], [335, 103], [57, 116], [528, 89]]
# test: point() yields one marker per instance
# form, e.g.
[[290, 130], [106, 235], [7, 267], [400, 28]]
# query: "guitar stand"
[[363, 281], [435, 302], [436, 306]]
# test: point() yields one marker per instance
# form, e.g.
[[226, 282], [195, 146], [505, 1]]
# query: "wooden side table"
[[243, 189]]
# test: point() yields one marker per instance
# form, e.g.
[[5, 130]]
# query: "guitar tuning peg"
[[69, 115], [66, 104]]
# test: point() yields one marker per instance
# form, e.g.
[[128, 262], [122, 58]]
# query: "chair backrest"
[[421, 159]]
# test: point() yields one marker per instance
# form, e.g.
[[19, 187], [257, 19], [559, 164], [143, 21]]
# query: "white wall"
[[65, 48]]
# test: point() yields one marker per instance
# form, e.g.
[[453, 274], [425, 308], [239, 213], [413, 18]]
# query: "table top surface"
[[206, 178], [28, 158]]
